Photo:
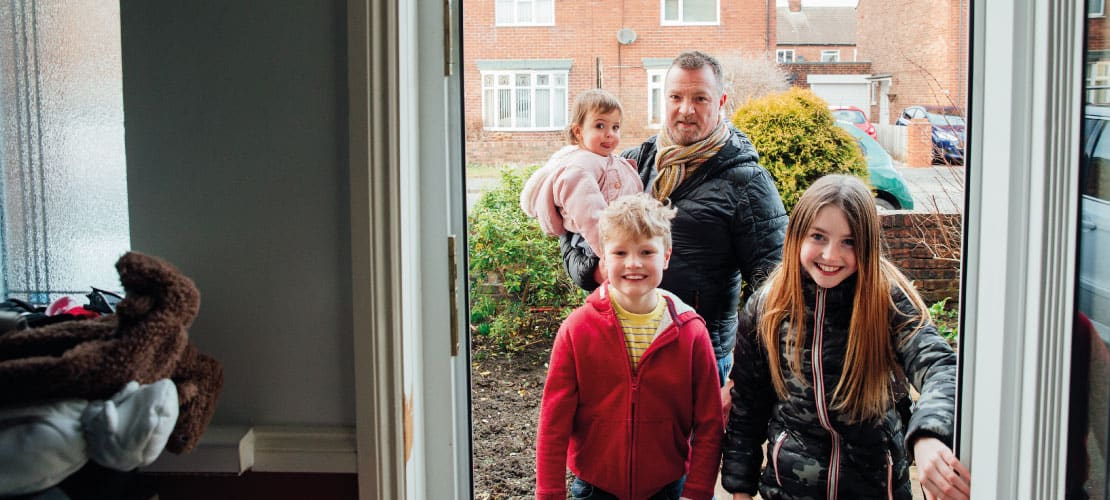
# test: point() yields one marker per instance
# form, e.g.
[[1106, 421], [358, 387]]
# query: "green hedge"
[[798, 141], [518, 285]]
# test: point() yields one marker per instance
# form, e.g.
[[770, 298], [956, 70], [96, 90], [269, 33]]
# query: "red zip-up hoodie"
[[629, 432]]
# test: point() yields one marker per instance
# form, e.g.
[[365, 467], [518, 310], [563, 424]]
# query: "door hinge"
[[453, 292], [448, 39]]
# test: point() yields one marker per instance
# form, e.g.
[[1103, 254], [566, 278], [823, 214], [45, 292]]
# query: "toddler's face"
[[828, 250], [600, 133]]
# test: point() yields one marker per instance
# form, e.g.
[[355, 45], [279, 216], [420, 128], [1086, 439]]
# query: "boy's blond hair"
[[637, 216]]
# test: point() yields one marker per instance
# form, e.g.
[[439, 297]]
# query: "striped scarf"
[[674, 163]]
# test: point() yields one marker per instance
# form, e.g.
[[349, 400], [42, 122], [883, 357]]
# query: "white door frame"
[[1020, 239], [1020, 251]]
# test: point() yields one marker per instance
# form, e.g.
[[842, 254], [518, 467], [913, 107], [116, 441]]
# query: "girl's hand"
[[741, 496], [940, 473], [726, 400]]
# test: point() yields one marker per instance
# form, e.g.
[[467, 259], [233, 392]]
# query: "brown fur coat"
[[146, 340]]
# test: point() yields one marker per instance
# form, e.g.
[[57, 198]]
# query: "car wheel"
[[884, 204]]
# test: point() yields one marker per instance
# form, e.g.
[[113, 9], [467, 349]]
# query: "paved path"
[[935, 189]]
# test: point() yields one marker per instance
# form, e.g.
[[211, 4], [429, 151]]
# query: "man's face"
[[693, 104]]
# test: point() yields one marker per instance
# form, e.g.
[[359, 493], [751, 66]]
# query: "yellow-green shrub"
[[798, 141]]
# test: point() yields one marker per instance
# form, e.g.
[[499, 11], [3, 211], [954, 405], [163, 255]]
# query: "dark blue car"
[[949, 131]]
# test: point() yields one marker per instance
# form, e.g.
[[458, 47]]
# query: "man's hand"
[[940, 473]]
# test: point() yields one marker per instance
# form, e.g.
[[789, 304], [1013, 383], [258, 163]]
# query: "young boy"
[[632, 403]]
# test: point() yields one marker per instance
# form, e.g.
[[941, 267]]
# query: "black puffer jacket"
[[869, 458], [730, 227]]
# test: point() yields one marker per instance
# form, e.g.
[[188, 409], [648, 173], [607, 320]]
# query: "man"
[[731, 222]]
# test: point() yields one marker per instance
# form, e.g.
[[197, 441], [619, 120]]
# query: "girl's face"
[[828, 248], [599, 133]]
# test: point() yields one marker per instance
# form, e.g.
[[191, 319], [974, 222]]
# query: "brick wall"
[[907, 238], [586, 39], [919, 143], [922, 44], [799, 72]]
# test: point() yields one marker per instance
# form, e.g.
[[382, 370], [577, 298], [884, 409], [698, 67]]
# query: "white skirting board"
[[237, 449]]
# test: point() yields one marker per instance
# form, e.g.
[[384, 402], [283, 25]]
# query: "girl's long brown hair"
[[864, 391]]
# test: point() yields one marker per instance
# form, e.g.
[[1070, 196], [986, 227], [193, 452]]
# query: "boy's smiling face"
[[634, 266]]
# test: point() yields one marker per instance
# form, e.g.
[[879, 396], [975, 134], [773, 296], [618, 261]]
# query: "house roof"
[[817, 26]]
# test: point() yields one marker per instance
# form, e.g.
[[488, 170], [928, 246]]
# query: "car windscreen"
[[946, 120], [847, 115]]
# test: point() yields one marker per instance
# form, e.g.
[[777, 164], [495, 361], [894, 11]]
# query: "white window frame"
[[784, 55], [653, 103], [681, 8], [533, 76], [1098, 82], [1092, 11], [830, 55], [515, 16]]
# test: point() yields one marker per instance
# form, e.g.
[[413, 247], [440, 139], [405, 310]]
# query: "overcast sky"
[[822, 3]]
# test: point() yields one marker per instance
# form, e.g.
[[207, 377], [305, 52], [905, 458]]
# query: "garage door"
[[842, 90]]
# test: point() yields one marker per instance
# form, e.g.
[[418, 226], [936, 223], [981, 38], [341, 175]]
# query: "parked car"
[[891, 191], [855, 116], [1093, 292], [949, 131]]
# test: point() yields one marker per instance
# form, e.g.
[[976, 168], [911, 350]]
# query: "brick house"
[[817, 48], [526, 60], [919, 52]]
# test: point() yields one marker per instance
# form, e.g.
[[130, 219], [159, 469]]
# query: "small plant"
[[947, 320], [518, 286], [798, 141]]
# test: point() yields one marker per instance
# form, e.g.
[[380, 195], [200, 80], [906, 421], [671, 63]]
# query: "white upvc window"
[[524, 100], [690, 12], [655, 97], [830, 56], [1098, 82], [1096, 8], [784, 55], [525, 12]]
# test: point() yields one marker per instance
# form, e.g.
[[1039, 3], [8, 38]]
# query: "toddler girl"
[[569, 192]]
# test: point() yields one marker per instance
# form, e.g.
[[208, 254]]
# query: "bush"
[[947, 321], [517, 282], [797, 140]]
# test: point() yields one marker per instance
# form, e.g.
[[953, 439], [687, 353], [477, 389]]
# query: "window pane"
[[699, 11], [545, 12], [489, 118], [656, 106], [502, 80], [523, 108], [487, 80], [504, 108], [523, 80], [559, 110], [543, 79], [524, 12], [504, 11], [64, 198], [543, 108], [670, 10]]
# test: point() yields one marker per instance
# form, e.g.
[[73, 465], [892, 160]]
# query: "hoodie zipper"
[[775, 455], [634, 375], [819, 394]]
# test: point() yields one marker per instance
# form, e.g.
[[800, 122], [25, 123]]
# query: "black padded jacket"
[[729, 229], [813, 450]]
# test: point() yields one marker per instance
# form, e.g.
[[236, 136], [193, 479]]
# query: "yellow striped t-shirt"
[[639, 329]]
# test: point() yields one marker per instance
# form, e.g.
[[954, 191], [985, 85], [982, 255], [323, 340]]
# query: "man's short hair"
[[696, 59], [638, 216]]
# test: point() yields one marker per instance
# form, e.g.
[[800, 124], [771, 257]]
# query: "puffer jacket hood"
[[815, 451]]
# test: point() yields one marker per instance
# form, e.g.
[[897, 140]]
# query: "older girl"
[[814, 356]]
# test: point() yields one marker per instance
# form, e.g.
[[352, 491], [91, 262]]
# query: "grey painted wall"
[[236, 132]]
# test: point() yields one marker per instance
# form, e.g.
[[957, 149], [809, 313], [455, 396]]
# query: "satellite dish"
[[626, 36]]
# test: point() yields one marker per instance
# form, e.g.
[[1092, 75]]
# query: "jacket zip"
[[819, 394], [775, 455], [889, 477]]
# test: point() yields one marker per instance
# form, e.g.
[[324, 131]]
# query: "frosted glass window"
[[64, 184], [689, 11]]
